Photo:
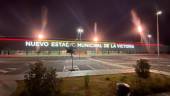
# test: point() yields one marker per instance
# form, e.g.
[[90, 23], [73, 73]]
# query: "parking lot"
[[20, 65]]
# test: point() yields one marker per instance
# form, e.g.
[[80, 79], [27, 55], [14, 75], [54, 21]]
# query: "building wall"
[[58, 47]]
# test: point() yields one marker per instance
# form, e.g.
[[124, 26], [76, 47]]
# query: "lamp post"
[[79, 32], [39, 38], [157, 19], [95, 39], [140, 29], [149, 37]]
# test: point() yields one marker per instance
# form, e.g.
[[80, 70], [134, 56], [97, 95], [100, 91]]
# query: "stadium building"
[[20, 46]]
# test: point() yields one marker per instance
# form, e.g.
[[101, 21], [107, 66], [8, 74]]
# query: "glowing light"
[[80, 30], [137, 22], [149, 35], [79, 45], [95, 39], [139, 28], [158, 12], [40, 36]]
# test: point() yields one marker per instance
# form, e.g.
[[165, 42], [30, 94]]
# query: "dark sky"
[[18, 18]]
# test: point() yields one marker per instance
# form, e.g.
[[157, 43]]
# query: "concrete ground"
[[13, 68]]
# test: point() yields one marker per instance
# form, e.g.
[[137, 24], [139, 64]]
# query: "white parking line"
[[67, 68], [90, 67], [3, 71], [63, 68], [108, 63], [12, 69]]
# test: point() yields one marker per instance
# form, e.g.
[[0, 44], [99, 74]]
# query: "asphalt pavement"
[[20, 65], [12, 68]]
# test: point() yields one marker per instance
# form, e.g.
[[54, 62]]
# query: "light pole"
[[95, 39], [157, 19], [39, 38], [79, 32], [149, 37], [140, 29]]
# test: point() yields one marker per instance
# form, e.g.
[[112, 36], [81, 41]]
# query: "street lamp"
[[157, 19], [140, 30], [40, 36], [79, 31], [95, 39], [149, 37], [159, 12]]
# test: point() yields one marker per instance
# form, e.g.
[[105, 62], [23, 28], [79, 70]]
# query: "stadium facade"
[[20, 46]]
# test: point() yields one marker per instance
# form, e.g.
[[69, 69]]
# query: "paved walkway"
[[93, 72]]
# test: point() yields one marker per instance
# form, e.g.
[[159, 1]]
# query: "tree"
[[40, 81], [142, 68], [71, 51]]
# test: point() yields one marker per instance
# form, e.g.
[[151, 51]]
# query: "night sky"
[[20, 18]]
